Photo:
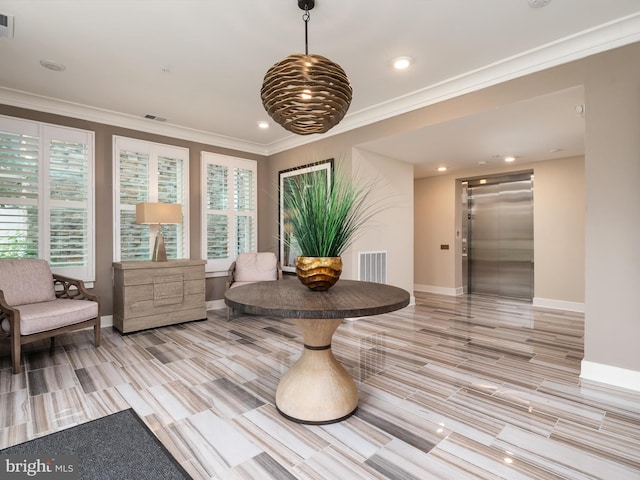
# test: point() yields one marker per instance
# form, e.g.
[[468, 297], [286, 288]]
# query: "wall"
[[559, 245], [104, 193], [612, 324], [391, 229], [435, 223], [558, 231]]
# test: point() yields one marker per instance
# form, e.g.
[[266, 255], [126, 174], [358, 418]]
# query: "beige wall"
[[435, 224], [558, 225], [391, 229], [104, 193], [612, 327]]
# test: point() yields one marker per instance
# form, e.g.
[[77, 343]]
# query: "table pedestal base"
[[317, 389]]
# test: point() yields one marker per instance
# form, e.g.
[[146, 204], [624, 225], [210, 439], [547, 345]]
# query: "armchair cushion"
[[43, 316], [26, 281], [256, 267]]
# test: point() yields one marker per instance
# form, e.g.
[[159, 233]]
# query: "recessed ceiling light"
[[442, 169], [56, 67], [401, 63], [263, 124], [509, 159], [482, 162]]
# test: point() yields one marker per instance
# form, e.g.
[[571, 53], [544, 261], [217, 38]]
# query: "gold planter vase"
[[319, 273]]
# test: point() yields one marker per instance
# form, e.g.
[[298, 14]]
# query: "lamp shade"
[[150, 213]]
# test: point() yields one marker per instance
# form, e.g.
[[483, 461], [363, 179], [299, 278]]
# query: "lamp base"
[[159, 250]]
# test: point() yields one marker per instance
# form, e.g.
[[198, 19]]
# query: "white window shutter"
[[149, 172], [229, 209], [47, 195]]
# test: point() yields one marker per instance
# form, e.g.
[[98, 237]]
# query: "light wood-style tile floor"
[[451, 388]]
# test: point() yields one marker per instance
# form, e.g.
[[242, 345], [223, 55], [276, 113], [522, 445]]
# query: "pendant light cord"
[[306, 18]]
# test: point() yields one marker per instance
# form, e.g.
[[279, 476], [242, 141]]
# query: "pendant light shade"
[[306, 93]]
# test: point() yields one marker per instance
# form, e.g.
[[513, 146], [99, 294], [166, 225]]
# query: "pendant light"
[[306, 93]]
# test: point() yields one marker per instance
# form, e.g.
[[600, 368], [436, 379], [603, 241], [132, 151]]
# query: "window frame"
[[46, 133], [209, 158], [154, 150]]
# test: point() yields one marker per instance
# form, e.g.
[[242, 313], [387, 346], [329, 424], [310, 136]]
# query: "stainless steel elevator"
[[497, 231]]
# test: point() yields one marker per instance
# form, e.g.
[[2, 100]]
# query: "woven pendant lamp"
[[306, 93]]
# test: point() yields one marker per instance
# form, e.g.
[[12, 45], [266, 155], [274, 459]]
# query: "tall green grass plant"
[[325, 220]]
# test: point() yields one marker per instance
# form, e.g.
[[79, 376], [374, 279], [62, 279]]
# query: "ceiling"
[[200, 63]]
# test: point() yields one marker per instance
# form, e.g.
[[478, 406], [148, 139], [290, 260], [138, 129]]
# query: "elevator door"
[[501, 236]]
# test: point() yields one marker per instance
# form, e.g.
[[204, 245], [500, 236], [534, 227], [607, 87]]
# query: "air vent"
[[154, 117], [6, 26], [372, 267]]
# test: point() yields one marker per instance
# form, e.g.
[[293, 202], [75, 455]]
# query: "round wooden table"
[[317, 389]]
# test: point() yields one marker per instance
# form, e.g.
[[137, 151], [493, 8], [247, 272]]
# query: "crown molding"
[[617, 33], [17, 98]]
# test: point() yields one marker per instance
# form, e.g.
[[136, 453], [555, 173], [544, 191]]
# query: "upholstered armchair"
[[37, 304], [251, 267]]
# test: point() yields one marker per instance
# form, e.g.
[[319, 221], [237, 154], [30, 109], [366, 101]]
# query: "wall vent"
[[6, 26], [372, 267], [151, 116]]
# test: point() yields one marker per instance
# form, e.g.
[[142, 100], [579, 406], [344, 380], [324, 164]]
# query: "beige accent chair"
[[37, 304], [251, 267]]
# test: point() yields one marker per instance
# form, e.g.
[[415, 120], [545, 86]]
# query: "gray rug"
[[118, 446]]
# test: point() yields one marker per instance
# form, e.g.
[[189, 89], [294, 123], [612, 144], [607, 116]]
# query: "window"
[[47, 195], [148, 172], [229, 206]]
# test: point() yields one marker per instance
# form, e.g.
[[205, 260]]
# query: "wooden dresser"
[[154, 294]]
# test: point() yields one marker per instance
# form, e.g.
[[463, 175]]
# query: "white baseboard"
[[610, 375], [558, 304], [216, 304], [106, 321], [439, 290]]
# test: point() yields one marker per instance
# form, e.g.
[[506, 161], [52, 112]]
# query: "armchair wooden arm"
[[11, 315], [230, 275], [67, 287]]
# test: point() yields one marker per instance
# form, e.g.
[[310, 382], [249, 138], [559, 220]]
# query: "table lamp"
[[150, 213]]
